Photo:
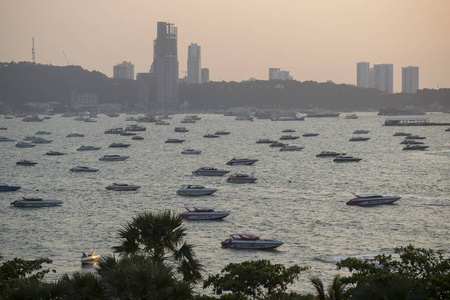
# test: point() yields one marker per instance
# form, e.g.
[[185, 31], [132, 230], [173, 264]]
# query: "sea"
[[299, 199]]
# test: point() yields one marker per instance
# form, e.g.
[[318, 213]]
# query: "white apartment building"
[[410, 79], [125, 70], [383, 78], [194, 64]]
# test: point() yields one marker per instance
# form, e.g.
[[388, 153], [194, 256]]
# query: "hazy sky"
[[315, 40]]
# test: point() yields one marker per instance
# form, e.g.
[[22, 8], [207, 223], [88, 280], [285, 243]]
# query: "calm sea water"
[[298, 198]]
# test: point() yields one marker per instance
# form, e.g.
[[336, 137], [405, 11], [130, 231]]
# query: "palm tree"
[[335, 290], [80, 286], [160, 238], [137, 277]]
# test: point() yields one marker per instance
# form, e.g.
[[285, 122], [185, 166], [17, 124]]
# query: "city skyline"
[[315, 41]]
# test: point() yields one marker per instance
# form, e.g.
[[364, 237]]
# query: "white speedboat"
[[360, 131], [83, 169], [241, 161], [119, 145], [25, 145], [359, 139], [113, 157], [241, 178], [207, 171], [211, 136], [264, 141], [88, 148], [181, 129], [43, 132], [24, 162], [351, 117], [135, 127], [118, 186], [289, 137], [195, 190], [191, 151], [372, 199], [329, 153], [90, 257], [221, 132], [75, 135], [174, 141], [291, 148], [55, 153], [277, 144], [35, 201], [5, 139], [39, 140], [249, 241], [308, 134], [194, 212], [346, 158], [415, 147]]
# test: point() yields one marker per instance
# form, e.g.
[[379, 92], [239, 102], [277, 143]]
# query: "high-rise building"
[[205, 75], [410, 79], [165, 66], [383, 78], [124, 70], [194, 64], [146, 91], [278, 74], [363, 75]]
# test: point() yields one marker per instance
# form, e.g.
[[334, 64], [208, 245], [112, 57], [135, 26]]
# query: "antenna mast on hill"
[[33, 57], [68, 63]]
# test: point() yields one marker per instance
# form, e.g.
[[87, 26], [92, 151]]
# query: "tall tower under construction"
[[165, 66]]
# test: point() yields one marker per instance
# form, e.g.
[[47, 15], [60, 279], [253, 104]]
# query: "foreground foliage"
[[254, 279]]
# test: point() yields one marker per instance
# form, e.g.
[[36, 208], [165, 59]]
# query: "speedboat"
[[415, 137], [128, 133], [289, 137], [361, 131], [113, 157], [90, 257], [346, 158], [249, 241], [310, 134], [241, 178], [241, 161], [195, 190], [137, 137], [43, 132], [25, 145], [191, 151], [5, 139], [88, 148], [244, 118], [135, 127], [83, 169], [372, 199], [264, 141], [75, 135], [351, 116], [277, 144], [329, 153], [359, 139], [288, 130], [39, 140], [174, 141], [114, 131], [194, 212], [221, 132], [209, 135], [415, 147], [410, 142], [185, 120], [180, 129], [54, 153], [291, 148], [207, 171], [117, 186], [24, 162], [119, 145], [402, 134], [8, 188], [161, 122], [35, 201]]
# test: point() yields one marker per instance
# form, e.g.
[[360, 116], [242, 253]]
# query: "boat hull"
[[372, 202], [45, 203], [204, 216], [196, 193], [210, 173], [9, 188], [257, 245]]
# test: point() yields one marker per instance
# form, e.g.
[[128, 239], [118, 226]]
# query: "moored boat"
[[359, 139], [207, 171], [346, 158], [329, 153], [83, 169], [113, 157], [24, 162], [88, 148], [241, 178], [415, 147], [249, 241], [174, 141], [25, 145], [372, 199], [241, 161], [291, 148], [54, 153], [195, 190], [119, 145], [35, 201], [194, 212], [118, 186], [191, 151], [8, 188]]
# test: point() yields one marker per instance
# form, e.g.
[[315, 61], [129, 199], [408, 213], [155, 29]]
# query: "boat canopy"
[[192, 208], [244, 236]]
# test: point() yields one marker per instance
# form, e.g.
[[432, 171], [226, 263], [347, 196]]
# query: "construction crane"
[[33, 57], [68, 63]]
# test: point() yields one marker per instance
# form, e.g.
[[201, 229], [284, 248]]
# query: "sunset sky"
[[315, 40]]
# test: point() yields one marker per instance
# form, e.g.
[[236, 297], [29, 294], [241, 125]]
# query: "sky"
[[316, 40]]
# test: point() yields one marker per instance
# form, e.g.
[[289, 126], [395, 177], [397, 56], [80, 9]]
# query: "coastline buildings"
[[146, 91], [125, 70], [278, 74], [364, 75], [410, 79], [383, 78], [205, 75], [165, 67], [194, 64]]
